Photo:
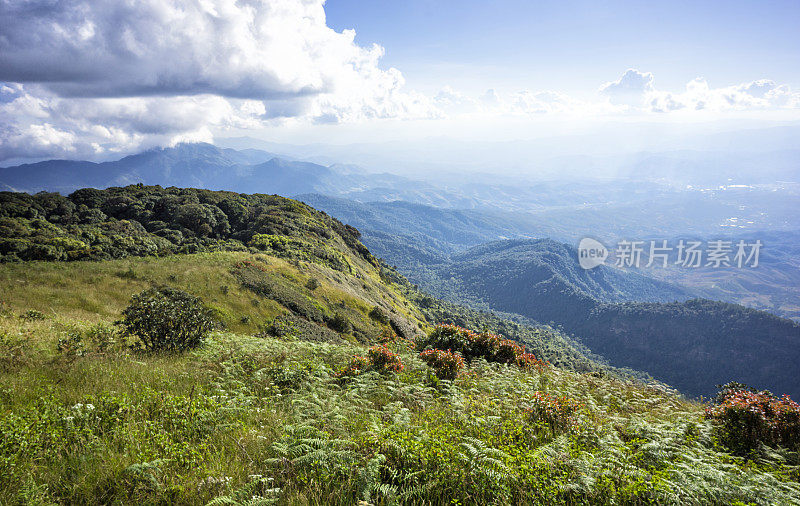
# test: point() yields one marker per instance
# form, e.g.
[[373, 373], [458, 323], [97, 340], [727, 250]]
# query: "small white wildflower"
[[90, 407]]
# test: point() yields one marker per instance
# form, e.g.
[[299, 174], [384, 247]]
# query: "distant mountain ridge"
[[202, 165]]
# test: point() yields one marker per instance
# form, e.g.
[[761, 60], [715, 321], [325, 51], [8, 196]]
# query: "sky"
[[93, 79]]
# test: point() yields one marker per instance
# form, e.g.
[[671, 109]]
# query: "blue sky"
[[576, 45]]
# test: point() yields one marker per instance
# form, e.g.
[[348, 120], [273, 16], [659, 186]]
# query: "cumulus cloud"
[[762, 94], [44, 124], [636, 91], [630, 89], [255, 49], [115, 75]]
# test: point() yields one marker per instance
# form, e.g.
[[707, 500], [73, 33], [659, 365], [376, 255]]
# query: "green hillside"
[[325, 380]]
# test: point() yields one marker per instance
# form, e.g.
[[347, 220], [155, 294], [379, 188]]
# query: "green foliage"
[[142, 220], [248, 420], [71, 345], [32, 314], [166, 319]]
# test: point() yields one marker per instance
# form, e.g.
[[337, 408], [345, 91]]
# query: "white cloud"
[[700, 96], [257, 49], [120, 75], [44, 124], [629, 89], [636, 91]]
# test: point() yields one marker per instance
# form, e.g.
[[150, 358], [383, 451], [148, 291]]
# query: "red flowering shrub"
[[558, 413], [390, 339], [484, 345], [746, 418], [445, 364], [382, 359], [528, 361], [379, 359], [507, 352]]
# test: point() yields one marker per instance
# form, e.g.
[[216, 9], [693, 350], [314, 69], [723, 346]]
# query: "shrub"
[[71, 345], [382, 360], [312, 284], [558, 413], [379, 359], [745, 418], [486, 345], [528, 361], [32, 314], [445, 364], [166, 319], [340, 323], [379, 315], [448, 337], [356, 366], [508, 352], [102, 337]]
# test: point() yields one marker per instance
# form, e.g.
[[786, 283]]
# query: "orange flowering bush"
[[445, 364], [382, 359], [528, 361], [471, 345], [558, 413], [379, 359], [746, 418]]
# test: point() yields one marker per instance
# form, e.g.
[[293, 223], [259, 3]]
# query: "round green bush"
[[166, 319]]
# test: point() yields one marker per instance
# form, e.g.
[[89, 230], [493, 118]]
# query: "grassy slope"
[[98, 291], [186, 429]]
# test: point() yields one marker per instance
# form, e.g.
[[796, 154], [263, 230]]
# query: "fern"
[[258, 492]]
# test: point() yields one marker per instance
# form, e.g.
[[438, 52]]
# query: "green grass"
[[98, 291]]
